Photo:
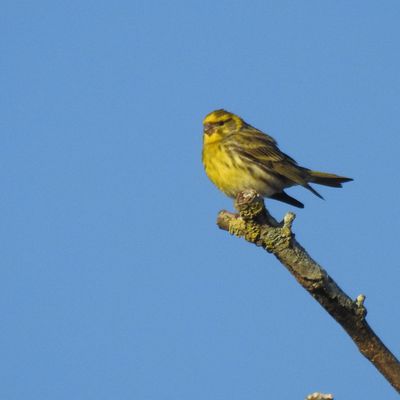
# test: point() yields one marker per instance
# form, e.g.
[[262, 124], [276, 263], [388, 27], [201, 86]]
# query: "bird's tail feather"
[[283, 196], [323, 178]]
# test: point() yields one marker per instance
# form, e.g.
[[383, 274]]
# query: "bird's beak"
[[208, 129]]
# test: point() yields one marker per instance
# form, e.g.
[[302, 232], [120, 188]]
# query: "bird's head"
[[219, 124]]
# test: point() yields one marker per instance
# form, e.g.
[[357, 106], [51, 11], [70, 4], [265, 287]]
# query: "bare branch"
[[257, 226]]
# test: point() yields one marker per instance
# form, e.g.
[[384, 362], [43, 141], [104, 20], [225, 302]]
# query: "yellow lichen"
[[252, 233], [237, 227]]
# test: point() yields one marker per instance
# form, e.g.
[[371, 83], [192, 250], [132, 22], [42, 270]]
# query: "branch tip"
[[319, 396], [288, 220], [360, 300]]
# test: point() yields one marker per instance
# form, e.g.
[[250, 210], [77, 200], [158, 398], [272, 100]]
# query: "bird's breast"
[[231, 174]]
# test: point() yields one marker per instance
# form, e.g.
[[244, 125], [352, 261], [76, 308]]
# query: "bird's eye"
[[220, 123]]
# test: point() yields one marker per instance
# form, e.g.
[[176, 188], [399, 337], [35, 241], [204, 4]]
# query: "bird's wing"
[[261, 144], [263, 150]]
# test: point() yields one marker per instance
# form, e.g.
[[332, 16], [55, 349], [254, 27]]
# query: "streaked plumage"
[[236, 156]]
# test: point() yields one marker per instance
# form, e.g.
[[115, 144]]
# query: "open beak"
[[208, 129]]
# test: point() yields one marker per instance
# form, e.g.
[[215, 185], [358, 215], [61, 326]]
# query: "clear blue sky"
[[116, 282]]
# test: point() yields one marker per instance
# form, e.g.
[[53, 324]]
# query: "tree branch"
[[257, 226], [319, 396]]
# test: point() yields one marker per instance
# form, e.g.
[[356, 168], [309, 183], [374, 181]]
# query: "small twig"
[[319, 396], [257, 226]]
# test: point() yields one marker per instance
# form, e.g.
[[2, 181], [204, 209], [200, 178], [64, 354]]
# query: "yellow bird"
[[236, 156]]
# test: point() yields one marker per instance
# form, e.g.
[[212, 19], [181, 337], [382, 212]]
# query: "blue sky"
[[116, 282]]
